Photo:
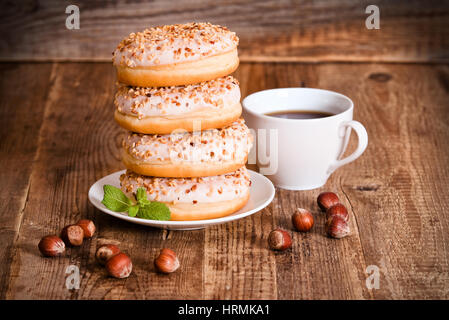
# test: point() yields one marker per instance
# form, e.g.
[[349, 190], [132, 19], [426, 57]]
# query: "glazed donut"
[[198, 154], [207, 105], [193, 198], [176, 55]]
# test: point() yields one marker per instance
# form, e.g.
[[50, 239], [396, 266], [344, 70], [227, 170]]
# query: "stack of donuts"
[[186, 143]]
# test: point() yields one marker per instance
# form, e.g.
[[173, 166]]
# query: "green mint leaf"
[[144, 202], [154, 211], [141, 195], [132, 211], [114, 199]]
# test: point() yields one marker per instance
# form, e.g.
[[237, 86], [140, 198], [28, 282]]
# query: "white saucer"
[[261, 194]]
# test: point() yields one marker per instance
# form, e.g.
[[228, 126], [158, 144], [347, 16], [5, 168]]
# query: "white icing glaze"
[[227, 144], [173, 44], [143, 102], [189, 190]]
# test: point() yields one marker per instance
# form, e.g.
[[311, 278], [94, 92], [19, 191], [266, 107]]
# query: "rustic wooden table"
[[57, 137]]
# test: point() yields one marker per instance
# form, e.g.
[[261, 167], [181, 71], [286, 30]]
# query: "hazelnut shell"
[[279, 240], [72, 235], [166, 262], [119, 266], [302, 220], [106, 252], [337, 227], [51, 246], [337, 210], [326, 200], [88, 227]]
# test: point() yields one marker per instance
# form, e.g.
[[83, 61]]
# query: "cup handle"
[[363, 143]]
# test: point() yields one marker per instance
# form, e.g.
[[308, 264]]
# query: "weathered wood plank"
[[270, 30], [316, 267], [396, 193], [23, 90], [79, 143], [237, 264], [398, 189]]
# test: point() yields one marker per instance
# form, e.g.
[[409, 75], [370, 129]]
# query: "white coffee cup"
[[303, 153]]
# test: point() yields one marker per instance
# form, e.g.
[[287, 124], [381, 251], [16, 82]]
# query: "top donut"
[[175, 55]]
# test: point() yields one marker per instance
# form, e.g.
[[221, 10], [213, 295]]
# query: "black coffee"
[[299, 114]]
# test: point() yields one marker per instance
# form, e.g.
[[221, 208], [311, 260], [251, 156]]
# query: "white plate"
[[261, 194]]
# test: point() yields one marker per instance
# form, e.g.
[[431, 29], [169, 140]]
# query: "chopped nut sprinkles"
[[231, 143], [207, 189], [173, 43], [141, 102]]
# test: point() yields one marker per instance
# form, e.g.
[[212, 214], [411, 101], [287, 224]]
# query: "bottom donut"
[[193, 198]]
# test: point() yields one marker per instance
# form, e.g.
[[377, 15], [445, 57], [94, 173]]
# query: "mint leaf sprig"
[[114, 199]]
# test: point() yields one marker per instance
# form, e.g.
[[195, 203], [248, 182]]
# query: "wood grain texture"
[[404, 188], [78, 144], [270, 30], [396, 190], [318, 267], [20, 122], [396, 194]]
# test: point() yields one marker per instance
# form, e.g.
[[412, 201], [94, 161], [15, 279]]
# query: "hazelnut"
[[337, 210], [166, 262], [119, 266], [337, 227], [88, 227], [302, 220], [51, 246], [106, 252], [72, 235], [326, 200], [279, 240]]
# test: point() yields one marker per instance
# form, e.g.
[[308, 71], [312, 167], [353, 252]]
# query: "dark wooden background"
[[57, 137], [270, 30]]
